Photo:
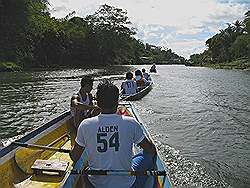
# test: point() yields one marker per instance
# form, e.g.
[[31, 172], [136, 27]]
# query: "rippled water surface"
[[198, 117]]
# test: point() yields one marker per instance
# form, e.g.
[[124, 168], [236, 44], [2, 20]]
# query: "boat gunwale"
[[137, 117], [6, 150], [138, 94]]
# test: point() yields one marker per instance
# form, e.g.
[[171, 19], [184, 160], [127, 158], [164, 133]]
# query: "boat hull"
[[153, 70], [59, 133], [138, 95], [158, 181], [10, 172]]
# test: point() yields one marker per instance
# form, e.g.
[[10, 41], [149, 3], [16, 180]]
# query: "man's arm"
[[122, 88], [148, 146], [76, 152], [75, 103]]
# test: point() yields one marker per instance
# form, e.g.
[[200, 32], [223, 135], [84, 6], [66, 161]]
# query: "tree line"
[[31, 38], [231, 46]]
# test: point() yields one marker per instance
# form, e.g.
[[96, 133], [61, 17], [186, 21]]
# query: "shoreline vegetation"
[[9, 67], [237, 64], [243, 64], [228, 49], [31, 38]]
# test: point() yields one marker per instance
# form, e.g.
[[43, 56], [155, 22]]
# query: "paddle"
[[29, 153], [120, 172], [33, 146]]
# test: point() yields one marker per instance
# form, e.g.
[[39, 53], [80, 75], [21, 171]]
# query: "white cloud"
[[58, 9], [162, 20], [185, 47]]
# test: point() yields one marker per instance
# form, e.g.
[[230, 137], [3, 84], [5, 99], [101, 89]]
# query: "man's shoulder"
[[88, 122], [129, 119]]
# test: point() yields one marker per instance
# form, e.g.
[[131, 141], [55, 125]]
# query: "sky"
[[181, 25]]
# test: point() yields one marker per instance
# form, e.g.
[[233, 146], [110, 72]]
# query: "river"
[[198, 117]]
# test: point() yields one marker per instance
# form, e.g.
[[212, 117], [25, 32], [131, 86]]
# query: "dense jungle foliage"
[[228, 49], [31, 38]]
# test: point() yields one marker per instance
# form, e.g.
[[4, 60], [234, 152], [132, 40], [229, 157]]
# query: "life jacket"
[[140, 83]]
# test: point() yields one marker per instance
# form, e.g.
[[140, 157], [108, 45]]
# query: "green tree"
[[241, 47], [110, 27], [247, 21]]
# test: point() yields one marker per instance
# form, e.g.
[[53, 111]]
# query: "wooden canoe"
[[152, 70], [141, 93], [16, 161]]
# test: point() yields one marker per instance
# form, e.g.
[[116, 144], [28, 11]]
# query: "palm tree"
[[247, 21]]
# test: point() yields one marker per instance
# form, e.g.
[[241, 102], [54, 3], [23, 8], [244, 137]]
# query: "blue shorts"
[[141, 162]]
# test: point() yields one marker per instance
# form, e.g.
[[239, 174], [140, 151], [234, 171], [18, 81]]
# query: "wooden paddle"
[[33, 146], [120, 172], [25, 157]]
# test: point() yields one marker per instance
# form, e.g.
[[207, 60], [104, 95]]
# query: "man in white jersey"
[[129, 86], [108, 139], [81, 102]]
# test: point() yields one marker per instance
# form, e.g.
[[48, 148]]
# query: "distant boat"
[[138, 95], [153, 68]]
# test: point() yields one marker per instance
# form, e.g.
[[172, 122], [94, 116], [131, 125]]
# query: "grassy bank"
[[238, 64], [9, 67]]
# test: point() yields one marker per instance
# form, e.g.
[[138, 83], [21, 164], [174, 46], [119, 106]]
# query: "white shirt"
[[108, 139], [146, 76], [129, 87], [86, 102]]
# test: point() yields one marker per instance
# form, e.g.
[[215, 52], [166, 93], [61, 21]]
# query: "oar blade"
[[25, 158]]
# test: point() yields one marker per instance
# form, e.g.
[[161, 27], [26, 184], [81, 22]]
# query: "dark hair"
[[107, 95], [143, 70], [86, 80], [138, 72], [129, 75]]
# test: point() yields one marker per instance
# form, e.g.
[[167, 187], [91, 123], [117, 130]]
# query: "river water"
[[198, 117]]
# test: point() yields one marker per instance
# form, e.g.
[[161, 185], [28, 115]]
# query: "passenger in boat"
[[1, 145], [146, 75], [129, 85], [153, 68], [108, 139], [140, 80], [82, 102]]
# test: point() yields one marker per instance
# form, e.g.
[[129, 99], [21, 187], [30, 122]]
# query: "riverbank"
[[14, 67], [9, 67], [238, 64]]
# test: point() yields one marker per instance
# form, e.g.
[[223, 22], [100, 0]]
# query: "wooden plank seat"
[[53, 167]]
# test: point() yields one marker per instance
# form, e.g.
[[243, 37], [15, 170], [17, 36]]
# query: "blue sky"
[[182, 25]]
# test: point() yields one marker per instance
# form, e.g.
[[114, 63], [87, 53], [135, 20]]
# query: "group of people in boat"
[[133, 84], [107, 136]]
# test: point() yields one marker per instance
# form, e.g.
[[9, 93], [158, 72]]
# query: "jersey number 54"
[[104, 143]]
